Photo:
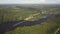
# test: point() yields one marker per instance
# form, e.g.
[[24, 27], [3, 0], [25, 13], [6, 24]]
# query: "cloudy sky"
[[29, 1]]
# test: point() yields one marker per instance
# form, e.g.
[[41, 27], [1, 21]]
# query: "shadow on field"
[[8, 26]]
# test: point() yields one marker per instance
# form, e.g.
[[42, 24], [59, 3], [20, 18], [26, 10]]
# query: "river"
[[10, 25]]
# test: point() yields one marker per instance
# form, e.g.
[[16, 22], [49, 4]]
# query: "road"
[[39, 21], [57, 30], [30, 17]]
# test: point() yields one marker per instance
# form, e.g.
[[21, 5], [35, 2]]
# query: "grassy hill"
[[49, 27], [16, 14]]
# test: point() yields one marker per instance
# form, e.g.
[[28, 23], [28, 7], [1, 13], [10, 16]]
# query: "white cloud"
[[57, 0], [29, 1], [22, 1], [33, 1]]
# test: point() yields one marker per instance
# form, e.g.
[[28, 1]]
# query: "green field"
[[13, 13]]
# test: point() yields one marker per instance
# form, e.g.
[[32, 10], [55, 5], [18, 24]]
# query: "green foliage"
[[16, 14]]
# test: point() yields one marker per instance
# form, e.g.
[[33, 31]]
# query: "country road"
[[31, 16], [12, 25], [57, 31]]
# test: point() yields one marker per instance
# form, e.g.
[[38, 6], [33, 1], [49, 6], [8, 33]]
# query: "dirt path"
[[57, 31], [31, 16]]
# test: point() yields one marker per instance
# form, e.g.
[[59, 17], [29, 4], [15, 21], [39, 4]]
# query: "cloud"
[[57, 0], [22, 1], [33, 1], [29, 1], [53, 1]]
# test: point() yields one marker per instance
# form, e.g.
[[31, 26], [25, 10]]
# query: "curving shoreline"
[[9, 26]]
